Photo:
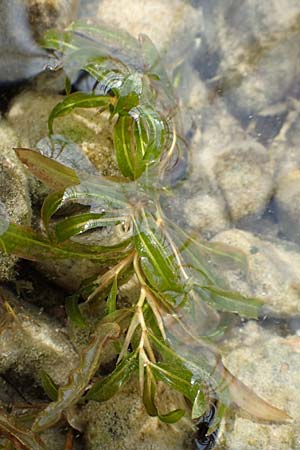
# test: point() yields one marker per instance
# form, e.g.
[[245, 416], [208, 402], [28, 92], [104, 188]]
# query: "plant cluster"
[[169, 334]]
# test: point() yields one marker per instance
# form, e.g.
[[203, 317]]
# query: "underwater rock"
[[198, 207], [14, 190], [171, 24], [235, 162], [271, 270], [271, 365], [259, 51], [32, 342], [22, 24], [122, 422], [46, 14], [287, 204]]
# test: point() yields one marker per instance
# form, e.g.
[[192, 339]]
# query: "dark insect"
[[201, 440]]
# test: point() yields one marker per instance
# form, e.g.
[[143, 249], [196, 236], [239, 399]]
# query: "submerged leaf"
[[173, 416], [52, 173], [231, 301], [24, 242], [73, 311], [81, 223], [108, 386], [79, 379], [111, 303], [49, 386], [199, 405], [157, 258], [251, 403], [76, 100]]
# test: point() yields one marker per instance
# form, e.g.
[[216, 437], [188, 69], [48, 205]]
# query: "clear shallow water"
[[238, 87]]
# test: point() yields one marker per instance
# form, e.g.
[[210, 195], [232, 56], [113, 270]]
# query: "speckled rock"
[[270, 365], [271, 273], [199, 207], [287, 202], [257, 42], [46, 14], [31, 342], [236, 163], [14, 191], [122, 423]]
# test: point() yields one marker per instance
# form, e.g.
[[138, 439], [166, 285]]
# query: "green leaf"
[[149, 391], [76, 100], [50, 172], [156, 256], [111, 303], [108, 386], [129, 156], [200, 404], [172, 417], [178, 379], [49, 386], [231, 301], [23, 242], [51, 205], [56, 40], [74, 313], [150, 132], [102, 194], [79, 378], [81, 223]]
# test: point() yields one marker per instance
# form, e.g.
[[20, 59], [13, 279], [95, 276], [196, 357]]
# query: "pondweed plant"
[[169, 334]]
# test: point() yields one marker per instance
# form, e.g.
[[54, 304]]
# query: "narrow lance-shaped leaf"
[[251, 403], [149, 393], [150, 131], [129, 156], [73, 311], [231, 301], [22, 241], [111, 303], [76, 100], [156, 256], [51, 205], [81, 223], [51, 173], [108, 386], [200, 404], [79, 379], [49, 386], [178, 379]]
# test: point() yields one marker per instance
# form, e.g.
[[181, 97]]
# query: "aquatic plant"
[[169, 333]]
